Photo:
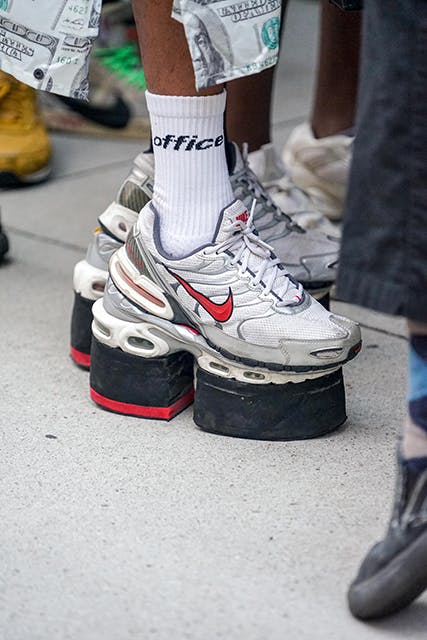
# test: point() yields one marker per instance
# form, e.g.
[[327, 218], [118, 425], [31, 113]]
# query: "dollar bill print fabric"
[[47, 43], [229, 39]]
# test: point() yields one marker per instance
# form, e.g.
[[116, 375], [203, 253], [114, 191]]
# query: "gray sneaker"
[[310, 256], [274, 176]]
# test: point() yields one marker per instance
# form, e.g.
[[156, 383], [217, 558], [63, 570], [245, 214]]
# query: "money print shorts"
[[47, 43], [228, 38]]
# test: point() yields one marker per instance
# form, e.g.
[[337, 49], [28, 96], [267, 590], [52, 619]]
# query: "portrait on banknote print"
[[229, 38], [210, 49], [208, 62]]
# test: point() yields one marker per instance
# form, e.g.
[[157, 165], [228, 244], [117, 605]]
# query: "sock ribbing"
[[191, 182]]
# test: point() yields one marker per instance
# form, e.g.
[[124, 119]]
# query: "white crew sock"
[[191, 182]]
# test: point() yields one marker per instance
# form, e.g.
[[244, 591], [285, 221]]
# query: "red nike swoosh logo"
[[219, 312]]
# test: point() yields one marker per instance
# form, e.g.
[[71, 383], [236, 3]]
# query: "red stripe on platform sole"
[[83, 359], [161, 413]]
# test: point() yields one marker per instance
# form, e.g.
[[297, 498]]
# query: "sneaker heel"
[[125, 383], [290, 411], [81, 332]]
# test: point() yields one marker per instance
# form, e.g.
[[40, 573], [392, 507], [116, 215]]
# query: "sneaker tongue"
[[235, 211]]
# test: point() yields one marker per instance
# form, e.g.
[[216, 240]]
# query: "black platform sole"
[[157, 388], [81, 330], [162, 387], [291, 411]]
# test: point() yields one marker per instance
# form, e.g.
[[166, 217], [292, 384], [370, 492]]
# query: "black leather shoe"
[[114, 115]]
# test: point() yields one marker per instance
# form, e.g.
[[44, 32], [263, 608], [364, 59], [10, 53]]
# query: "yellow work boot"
[[24, 143]]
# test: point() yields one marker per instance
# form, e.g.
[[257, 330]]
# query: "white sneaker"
[[230, 302], [272, 173], [310, 256], [320, 167]]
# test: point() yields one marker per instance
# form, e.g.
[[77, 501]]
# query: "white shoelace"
[[255, 258]]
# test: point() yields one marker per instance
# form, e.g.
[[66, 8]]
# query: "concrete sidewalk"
[[115, 528]]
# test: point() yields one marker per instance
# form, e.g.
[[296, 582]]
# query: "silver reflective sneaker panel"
[[235, 294]]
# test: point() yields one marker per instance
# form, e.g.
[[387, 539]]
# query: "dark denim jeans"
[[384, 252]]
